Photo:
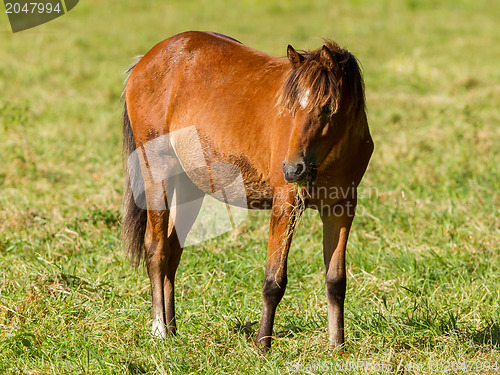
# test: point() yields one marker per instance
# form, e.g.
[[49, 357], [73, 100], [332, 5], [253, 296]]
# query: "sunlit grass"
[[423, 257]]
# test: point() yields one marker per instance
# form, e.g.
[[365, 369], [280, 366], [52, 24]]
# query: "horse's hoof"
[[159, 331]]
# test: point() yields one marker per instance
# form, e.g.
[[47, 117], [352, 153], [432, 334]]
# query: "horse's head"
[[325, 96]]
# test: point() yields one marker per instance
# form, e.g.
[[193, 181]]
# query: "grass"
[[423, 258]]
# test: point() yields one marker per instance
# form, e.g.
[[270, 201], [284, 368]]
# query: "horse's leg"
[[280, 237], [336, 224], [157, 255], [168, 283], [191, 198]]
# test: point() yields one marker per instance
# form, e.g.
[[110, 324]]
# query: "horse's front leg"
[[336, 224], [280, 236]]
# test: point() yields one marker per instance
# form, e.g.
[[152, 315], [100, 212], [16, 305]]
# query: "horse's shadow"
[[489, 336], [286, 329]]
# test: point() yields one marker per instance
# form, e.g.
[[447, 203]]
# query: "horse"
[[294, 129]]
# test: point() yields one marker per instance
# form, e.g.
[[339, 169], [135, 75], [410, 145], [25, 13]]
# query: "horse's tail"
[[134, 218]]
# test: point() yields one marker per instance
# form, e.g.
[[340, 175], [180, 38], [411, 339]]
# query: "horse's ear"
[[295, 58], [327, 58]]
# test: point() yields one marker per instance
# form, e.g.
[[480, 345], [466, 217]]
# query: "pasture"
[[423, 258]]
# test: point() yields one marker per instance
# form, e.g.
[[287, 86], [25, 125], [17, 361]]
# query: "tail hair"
[[134, 218]]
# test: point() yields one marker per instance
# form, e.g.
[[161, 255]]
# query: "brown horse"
[[294, 129]]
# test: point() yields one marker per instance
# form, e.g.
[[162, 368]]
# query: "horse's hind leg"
[[157, 255], [186, 204], [168, 285]]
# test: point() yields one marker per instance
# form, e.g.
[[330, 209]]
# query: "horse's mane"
[[313, 84]]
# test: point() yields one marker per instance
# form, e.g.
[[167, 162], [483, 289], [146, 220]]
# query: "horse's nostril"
[[299, 169], [294, 172]]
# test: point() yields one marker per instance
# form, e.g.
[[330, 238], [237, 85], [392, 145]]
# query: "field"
[[423, 260]]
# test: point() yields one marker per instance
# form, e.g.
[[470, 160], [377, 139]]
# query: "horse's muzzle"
[[299, 172]]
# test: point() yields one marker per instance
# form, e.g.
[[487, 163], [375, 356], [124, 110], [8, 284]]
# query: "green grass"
[[423, 258]]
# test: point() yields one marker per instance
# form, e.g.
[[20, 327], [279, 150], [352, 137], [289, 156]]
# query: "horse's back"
[[204, 78]]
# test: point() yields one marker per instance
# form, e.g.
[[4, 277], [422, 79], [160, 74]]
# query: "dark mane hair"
[[334, 86]]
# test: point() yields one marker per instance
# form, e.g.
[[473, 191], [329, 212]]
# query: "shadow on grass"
[[488, 336], [290, 328], [422, 322], [135, 368], [247, 328]]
